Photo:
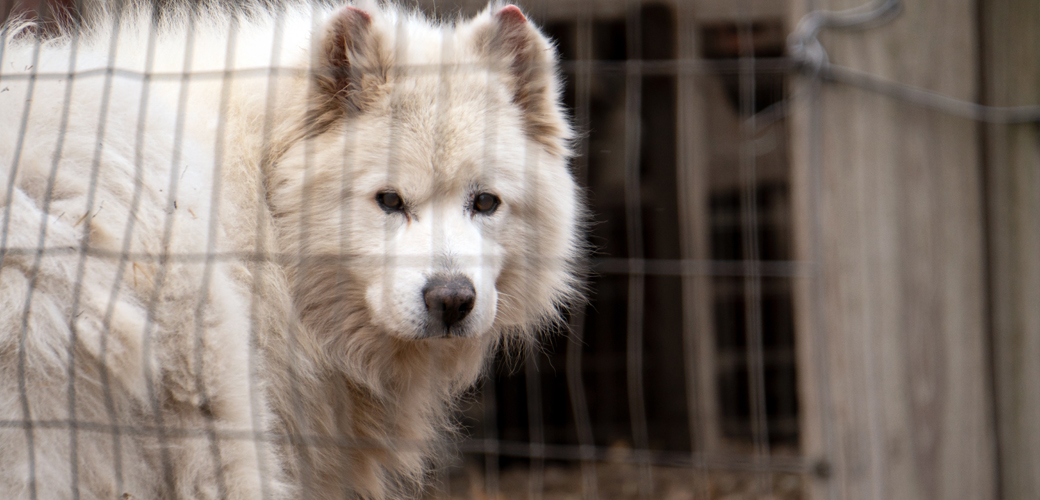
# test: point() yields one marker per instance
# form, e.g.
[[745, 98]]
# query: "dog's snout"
[[449, 299]]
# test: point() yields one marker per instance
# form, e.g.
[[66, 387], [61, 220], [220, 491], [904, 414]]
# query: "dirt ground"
[[615, 481]]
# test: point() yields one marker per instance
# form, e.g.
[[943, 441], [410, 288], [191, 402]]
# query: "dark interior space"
[[607, 329]]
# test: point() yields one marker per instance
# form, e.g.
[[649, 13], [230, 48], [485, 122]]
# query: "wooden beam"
[[1011, 44], [892, 332]]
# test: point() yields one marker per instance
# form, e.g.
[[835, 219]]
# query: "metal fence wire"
[[680, 377]]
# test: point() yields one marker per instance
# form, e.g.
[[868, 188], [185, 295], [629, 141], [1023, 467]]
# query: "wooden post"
[[892, 332], [693, 226], [1011, 44]]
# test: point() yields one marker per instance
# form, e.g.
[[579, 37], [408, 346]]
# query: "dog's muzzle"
[[449, 299]]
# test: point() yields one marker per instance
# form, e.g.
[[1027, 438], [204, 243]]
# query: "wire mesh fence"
[[649, 390], [701, 365]]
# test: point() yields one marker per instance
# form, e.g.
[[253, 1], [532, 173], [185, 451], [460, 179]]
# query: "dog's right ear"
[[350, 63]]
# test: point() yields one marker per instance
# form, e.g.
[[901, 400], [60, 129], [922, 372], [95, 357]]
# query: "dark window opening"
[[725, 41], [604, 365], [728, 234]]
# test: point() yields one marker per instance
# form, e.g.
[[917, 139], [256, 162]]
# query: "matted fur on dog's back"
[[259, 255]]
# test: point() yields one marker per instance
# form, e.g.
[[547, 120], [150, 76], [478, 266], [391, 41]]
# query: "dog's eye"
[[485, 203], [390, 202]]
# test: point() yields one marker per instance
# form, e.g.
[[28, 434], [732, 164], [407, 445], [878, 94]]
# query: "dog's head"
[[430, 197]]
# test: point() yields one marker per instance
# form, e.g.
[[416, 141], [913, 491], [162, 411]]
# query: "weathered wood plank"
[[892, 220], [1011, 32]]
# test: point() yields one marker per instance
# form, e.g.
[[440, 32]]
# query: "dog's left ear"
[[510, 40]]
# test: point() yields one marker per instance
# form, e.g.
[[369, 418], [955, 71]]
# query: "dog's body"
[[262, 256]]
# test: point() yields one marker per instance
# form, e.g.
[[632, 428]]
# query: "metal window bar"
[[576, 387], [752, 283], [634, 227]]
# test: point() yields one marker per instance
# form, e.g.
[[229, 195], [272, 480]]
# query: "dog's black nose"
[[449, 299]]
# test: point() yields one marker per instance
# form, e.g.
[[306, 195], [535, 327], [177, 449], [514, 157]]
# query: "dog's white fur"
[[195, 269]]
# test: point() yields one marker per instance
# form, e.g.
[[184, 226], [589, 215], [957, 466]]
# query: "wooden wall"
[[894, 338]]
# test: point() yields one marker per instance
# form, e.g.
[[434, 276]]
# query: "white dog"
[[259, 255]]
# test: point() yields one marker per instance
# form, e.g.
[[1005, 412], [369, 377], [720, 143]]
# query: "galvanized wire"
[[808, 58]]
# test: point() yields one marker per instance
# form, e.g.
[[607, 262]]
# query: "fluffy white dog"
[[259, 255]]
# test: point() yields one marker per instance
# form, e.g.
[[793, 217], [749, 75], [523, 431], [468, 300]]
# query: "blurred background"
[[817, 265]]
